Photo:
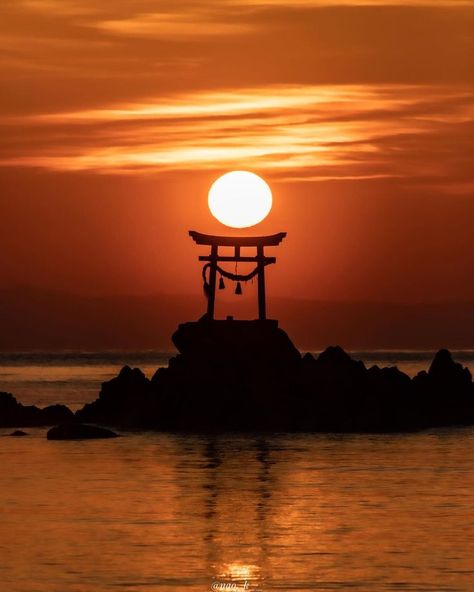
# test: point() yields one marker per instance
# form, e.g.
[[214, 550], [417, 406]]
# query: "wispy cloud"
[[298, 132], [172, 25], [331, 3], [85, 7]]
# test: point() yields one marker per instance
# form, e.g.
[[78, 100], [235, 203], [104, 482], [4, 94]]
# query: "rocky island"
[[248, 376]]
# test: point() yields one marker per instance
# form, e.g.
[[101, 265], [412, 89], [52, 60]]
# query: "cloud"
[[172, 25], [359, 3], [314, 89], [66, 54], [292, 132]]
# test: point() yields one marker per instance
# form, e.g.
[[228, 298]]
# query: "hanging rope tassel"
[[221, 283], [238, 289], [235, 277]]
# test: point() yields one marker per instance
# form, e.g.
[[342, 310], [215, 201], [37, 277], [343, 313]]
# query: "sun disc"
[[240, 199]]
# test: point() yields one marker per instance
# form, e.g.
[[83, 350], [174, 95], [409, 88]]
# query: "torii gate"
[[259, 242]]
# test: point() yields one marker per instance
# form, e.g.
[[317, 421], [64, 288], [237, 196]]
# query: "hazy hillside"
[[40, 319]]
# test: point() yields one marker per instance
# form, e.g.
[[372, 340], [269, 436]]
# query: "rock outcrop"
[[14, 414], [445, 392], [126, 400], [79, 431], [247, 375]]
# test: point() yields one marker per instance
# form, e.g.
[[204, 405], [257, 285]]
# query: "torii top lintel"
[[237, 241], [259, 242]]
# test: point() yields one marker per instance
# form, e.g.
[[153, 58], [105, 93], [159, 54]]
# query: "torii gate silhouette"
[[237, 242]]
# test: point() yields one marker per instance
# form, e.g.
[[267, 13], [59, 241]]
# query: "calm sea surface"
[[156, 512], [165, 513]]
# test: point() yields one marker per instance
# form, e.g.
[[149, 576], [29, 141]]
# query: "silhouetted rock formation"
[[79, 431], [18, 434], [247, 375], [445, 392], [14, 414], [125, 400], [227, 375]]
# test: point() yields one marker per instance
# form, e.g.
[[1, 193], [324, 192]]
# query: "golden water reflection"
[[169, 513]]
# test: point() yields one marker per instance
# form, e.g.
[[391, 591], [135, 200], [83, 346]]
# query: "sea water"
[[167, 512], [170, 513]]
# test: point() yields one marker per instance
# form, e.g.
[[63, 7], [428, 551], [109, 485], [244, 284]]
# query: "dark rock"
[[56, 414], [227, 374], [335, 357], [247, 375], [445, 370], [14, 414], [124, 400], [224, 371], [252, 343], [18, 433], [445, 394], [79, 431], [387, 401]]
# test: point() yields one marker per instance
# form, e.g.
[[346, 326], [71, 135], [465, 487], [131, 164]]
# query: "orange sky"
[[117, 116]]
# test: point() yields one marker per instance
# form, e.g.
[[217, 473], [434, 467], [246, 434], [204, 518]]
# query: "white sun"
[[240, 199]]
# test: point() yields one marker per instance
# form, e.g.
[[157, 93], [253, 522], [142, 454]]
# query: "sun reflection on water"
[[239, 573], [160, 511]]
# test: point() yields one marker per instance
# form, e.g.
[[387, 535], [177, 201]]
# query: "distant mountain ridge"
[[36, 318]]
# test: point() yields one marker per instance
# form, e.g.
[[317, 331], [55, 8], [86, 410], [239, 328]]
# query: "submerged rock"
[[79, 431]]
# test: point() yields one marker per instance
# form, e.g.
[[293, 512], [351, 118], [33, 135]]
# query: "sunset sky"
[[117, 116]]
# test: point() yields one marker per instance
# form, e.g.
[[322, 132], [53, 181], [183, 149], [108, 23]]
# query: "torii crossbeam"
[[259, 242]]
